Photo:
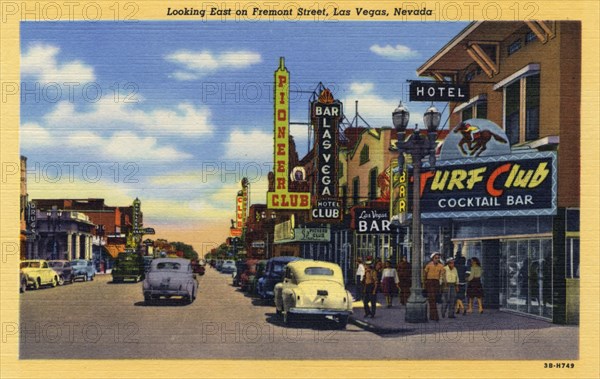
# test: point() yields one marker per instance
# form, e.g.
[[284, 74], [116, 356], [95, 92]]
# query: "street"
[[101, 320]]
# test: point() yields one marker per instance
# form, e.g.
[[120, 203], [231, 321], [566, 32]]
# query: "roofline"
[[449, 46]]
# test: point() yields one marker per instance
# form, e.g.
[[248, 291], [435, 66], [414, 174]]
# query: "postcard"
[[299, 189]]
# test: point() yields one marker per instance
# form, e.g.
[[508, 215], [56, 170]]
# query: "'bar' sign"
[[434, 91]]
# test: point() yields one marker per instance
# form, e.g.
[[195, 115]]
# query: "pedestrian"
[[474, 287], [360, 273], [449, 288], [459, 264], [389, 282], [433, 275], [370, 290], [405, 279], [379, 270]]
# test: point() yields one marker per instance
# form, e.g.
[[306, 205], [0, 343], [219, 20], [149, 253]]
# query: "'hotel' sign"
[[434, 91]]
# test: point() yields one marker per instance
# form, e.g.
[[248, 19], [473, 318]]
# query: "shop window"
[[355, 190], [373, 184], [364, 155], [522, 109]]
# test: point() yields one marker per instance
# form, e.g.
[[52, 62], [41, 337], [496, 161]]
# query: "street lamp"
[[418, 148]]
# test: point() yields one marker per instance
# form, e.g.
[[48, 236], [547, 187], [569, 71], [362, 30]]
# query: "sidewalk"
[[392, 321]]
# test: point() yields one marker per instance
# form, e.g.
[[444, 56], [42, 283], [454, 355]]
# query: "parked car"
[[228, 267], [22, 281], [273, 275], [83, 269], [39, 273], [248, 275], [63, 269], [260, 272], [313, 288], [170, 277], [218, 264], [240, 267], [128, 266]]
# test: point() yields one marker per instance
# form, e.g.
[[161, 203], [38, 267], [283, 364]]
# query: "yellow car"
[[313, 288], [38, 273]]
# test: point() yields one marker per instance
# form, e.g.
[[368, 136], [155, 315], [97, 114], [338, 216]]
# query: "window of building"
[[373, 184], [340, 170], [344, 193], [476, 110], [514, 47], [364, 154], [522, 104], [530, 37], [355, 190]]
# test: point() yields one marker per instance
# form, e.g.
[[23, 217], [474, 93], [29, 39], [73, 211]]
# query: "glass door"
[[526, 276]]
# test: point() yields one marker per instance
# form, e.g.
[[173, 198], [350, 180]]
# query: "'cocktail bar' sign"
[[514, 185]]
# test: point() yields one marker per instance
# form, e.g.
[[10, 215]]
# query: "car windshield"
[[278, 267], [30, 264], [168, 266], [77, 263], [55, 264], [318, 271]]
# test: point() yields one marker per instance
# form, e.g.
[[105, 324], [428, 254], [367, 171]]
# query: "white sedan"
[[170, 277]]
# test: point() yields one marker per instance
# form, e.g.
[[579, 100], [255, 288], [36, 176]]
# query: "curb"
[[377, 329]]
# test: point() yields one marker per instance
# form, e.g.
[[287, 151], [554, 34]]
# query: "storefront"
[[501, 207]]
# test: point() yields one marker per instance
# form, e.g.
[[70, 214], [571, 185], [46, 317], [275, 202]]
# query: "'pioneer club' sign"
[[281, 197]]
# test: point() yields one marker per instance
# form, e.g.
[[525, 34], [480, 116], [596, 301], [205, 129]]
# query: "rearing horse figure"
[[475, 139]]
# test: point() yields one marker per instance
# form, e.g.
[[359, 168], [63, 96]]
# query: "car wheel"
[[37, 283], [54, 281], [277, 311], [342, 322], [23, 286], [147, 299], [288, 318], [92, 277], [61, 280], [85, 278]]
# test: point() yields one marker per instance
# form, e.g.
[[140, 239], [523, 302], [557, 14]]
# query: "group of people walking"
[[453, 282]]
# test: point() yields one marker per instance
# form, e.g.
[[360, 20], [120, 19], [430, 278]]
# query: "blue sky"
[[175, 113]]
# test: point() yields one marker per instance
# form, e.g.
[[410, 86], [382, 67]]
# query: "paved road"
[[100, 319]]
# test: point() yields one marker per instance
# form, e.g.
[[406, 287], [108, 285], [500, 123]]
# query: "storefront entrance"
[[526, 276]]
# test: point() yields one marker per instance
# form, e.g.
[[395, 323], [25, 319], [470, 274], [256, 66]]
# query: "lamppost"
[[418, 148], [54, 219]]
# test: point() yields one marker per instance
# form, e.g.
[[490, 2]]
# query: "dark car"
[[273, 275], [260, 272], [128, 266], [63, 269], [240, 267], [248, 275], [197, 267]]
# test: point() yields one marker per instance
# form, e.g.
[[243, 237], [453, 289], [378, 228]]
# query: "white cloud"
[[182, 120], [40, 62], [253, 145], [33, 135], [195, 65], [398, 52], [376, 110]]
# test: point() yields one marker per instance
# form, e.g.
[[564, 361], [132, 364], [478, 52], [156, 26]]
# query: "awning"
[[114, 249]]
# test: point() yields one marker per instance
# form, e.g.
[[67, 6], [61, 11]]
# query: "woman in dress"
[[389, 282], [474, 287]]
